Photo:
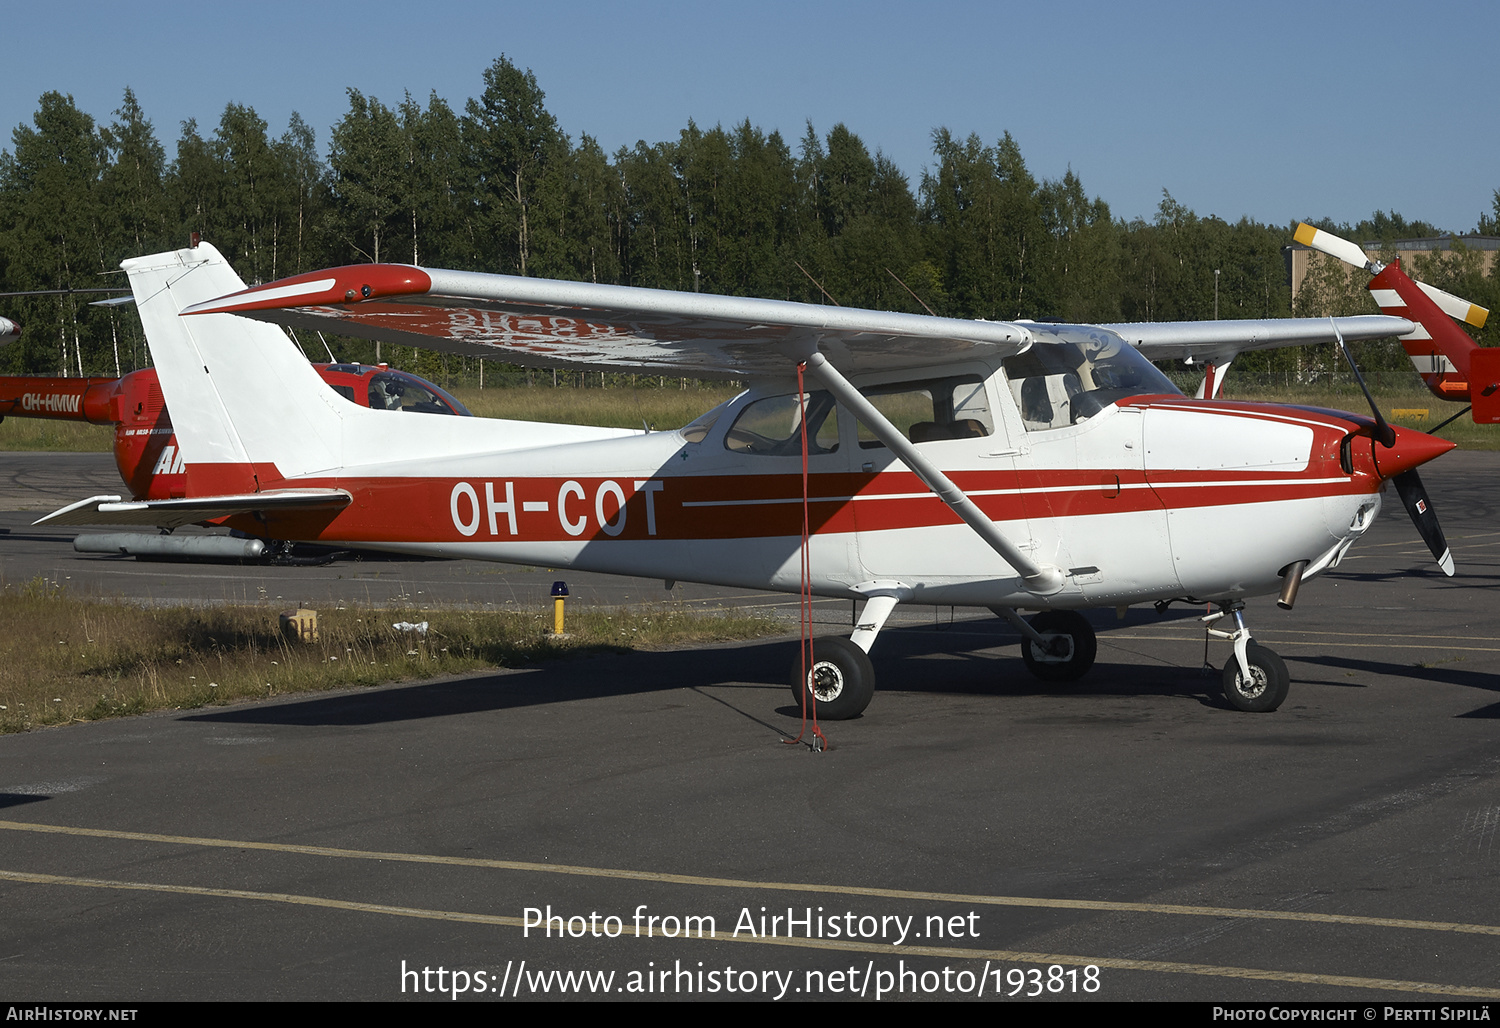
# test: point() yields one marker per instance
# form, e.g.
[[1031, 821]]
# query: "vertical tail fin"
[[250, 411], [248, 408]]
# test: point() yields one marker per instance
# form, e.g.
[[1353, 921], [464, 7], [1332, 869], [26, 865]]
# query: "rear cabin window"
[[773, 426], [695, 430], [394, 390], [931, 410]]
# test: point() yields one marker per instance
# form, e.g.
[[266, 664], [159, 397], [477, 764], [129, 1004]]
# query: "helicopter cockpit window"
[[773, 426], [931, 410], [1068, 379], [396, 390]]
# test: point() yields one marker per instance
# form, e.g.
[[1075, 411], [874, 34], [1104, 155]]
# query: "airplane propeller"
[[1408, 483], [1414, 495]]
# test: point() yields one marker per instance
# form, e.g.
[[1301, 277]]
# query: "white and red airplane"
[[888, 458]]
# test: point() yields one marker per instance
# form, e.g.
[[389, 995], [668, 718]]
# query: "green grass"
[[37, 435], [69, 660], [615, 407]]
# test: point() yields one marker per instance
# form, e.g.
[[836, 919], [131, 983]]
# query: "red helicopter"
[[1452, 365]]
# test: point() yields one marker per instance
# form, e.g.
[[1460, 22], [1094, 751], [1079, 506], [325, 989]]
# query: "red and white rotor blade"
[[1334, 246], [1456, 307], [9, 331]]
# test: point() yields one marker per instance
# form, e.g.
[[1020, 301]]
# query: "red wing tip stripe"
[[353, 284]]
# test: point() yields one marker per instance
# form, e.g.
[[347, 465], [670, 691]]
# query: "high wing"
[[541, 322], [1219, 342], [111, 510]]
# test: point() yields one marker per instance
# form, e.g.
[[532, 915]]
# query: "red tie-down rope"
[[820, 741]]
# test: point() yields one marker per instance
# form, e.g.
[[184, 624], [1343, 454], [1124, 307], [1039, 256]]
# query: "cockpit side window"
[[772, 426], [931, 410]]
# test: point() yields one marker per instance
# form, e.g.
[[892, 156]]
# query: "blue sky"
[[1274, 110]]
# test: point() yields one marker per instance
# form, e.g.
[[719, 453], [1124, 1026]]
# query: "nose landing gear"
[[1255, 678]]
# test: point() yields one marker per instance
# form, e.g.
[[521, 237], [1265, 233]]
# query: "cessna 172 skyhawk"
[[1013, 466]]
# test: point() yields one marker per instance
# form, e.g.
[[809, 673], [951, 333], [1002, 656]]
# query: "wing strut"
[[1041, 579]]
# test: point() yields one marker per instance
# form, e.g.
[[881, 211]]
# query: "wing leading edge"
[[1218, 342], [604, 327], [542, 322]]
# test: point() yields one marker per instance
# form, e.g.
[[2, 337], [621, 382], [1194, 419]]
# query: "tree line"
[[499, 186]]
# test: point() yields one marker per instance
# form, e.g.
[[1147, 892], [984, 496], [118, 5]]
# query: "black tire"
[[842, 679], [1268, 683], [1071, 646]]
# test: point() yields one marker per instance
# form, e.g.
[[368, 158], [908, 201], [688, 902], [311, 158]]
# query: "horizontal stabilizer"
[[111, 510]]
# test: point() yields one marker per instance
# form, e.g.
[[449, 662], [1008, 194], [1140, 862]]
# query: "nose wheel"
[[1255, 678], [1263, 688]]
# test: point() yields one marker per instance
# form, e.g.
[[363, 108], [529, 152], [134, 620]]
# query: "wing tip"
[[353, 283]]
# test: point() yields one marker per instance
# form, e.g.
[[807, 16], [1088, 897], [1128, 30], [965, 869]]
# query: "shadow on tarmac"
[[920, 660]]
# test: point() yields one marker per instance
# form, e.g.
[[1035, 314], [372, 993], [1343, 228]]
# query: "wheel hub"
[[827, 681], [1253, 686], [1058, 649]]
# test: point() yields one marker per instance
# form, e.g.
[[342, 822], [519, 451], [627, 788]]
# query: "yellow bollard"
[[559, 591]]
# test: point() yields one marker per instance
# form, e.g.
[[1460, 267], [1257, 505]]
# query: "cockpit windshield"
[[1072, 373]]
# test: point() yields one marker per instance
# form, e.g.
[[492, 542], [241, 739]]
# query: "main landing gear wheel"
[[1267, 685], [842, 680], [1070, 646]]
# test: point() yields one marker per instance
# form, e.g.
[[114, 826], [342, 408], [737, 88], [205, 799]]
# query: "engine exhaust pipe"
[[1291, 581]]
